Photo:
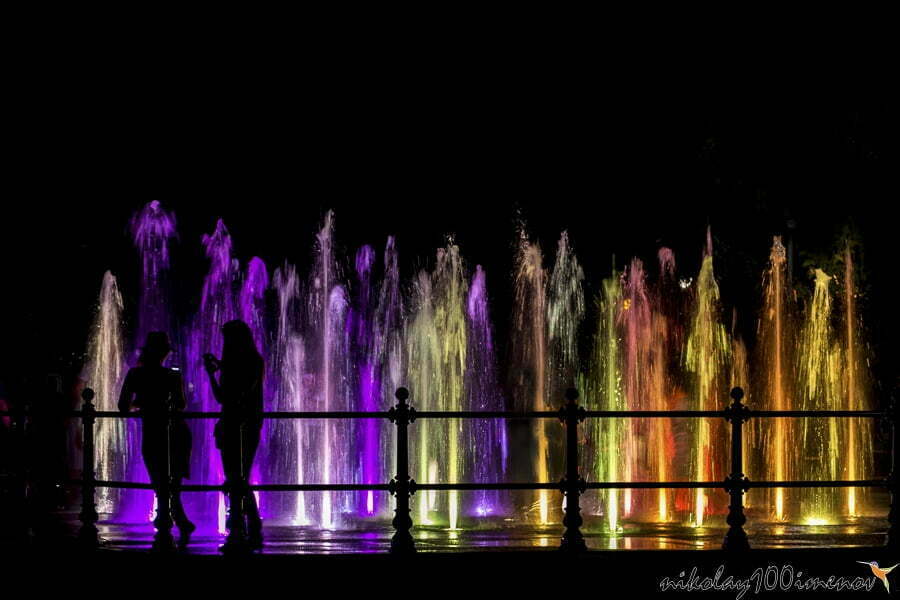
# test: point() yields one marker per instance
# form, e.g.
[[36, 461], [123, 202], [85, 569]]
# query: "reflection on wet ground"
[[375, 537]]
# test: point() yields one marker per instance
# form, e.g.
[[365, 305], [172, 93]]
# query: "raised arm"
[[126, 394], [212, 365]]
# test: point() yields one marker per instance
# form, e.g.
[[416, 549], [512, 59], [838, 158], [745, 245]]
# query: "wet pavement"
[[375, 537]]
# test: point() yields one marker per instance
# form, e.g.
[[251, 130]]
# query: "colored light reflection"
[[344, 339]]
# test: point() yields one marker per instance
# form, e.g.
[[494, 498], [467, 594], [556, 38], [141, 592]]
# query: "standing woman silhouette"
[[154, 390], [239, 389]]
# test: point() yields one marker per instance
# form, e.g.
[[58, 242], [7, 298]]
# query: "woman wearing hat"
[[154, 390]]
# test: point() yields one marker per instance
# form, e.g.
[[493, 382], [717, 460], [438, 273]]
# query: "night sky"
[[624, 172]]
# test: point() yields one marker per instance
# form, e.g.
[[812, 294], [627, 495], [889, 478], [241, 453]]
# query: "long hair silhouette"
[[238, 347]]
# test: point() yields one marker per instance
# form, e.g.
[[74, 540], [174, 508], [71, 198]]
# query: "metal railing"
[[402, 486]]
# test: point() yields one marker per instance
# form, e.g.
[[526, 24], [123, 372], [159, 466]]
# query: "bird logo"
[[880, 573]]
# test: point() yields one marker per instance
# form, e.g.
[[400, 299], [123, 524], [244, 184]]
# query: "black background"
[[625, 163]]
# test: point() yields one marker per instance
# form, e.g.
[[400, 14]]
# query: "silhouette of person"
[[154, 389], [239, 389]]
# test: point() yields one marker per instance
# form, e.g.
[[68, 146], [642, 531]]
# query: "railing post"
[[87, 535], [163, 540], [893, 536], [573, 485], [736, 483], [402, 486]]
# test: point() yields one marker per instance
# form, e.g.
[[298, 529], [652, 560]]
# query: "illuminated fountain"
[[328, 358], [565, 313], [775, 389], [529, 371], [634, 320], [289, 394], [252, 305], [152, 231], [335, 340], [486, 446], [858, 432], [664, 345], [423, 370], [635, 353], [390, 354], [818, 364], [376, 327], [813, 366], [104, 372], [218, 305], [450, 289], [605, 393], [451, 366], [707, 353], [437, 364], [367, 375]]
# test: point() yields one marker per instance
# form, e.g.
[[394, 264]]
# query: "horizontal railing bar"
[[348, 414], [493, 414], [262, 487], [432, 414], [654, 414], [109, 414], [823, 484], [274, 415], [594, 485], [485, 486], [320, 487], [637, 485], [624, 485], [818, 413], [624, 414], [128, 485]]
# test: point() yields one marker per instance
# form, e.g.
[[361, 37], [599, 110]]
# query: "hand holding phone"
[[211, 363]]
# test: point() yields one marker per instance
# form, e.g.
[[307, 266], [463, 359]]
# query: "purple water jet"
[[483, 437], [218, 305]]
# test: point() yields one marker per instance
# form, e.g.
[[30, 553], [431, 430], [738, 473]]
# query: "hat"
[[157, 342]]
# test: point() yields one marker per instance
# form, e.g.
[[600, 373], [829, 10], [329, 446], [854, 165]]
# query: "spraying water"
[[252, 304], [367, 374], [776, 343], [486, 447], [389, 354], [706, 360], [334, 345], [328, 358], [858, 432], [218, 305], [530, 356], [634, 318], [104, 373], [663, 345], [565, 313], [423, 371], [605, 384], [289, 395], [153, 231], [819, 361], [450, 290]]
